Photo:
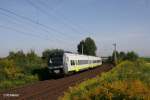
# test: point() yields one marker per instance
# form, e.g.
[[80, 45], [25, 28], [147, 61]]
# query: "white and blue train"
[[69, 62]]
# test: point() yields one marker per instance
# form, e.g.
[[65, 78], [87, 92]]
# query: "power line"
[[17, 20], [30, 20], [21, 32], [66, 19], [48, 14], [25, 33], [35, 22]]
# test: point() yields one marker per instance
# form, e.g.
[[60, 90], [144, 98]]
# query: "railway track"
[[53, 88]]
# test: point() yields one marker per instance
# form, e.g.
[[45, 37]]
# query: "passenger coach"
[[69, 62]]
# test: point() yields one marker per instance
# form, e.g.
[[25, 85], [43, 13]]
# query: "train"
[[70, 62]]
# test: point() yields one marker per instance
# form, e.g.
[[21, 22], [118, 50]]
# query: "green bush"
[[9, 69], [31, 78], [12, 83], [129, 80], [122, 56], [147, 59], [17, 68], [5, 84]]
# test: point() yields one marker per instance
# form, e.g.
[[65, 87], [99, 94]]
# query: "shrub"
[[9, 69], [122, 56], [12, 76], [31, 78], [129, 80]]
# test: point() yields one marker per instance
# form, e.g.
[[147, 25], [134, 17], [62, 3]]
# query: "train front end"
[[55, 65]]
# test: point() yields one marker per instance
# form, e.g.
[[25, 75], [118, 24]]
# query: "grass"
[[13, 83], [147, 59], [12, 75], [128, 80]]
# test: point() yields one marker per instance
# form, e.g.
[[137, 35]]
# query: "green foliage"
[[88, 45], [132, 56], [147, 59], [17, 68], [128, 81], [11, 75], [33, 62], [26, 62], [12, 83], [80, 47], [19, 57], [122, 56], [9, 70]]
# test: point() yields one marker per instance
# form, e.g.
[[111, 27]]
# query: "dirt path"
[[51, 89]]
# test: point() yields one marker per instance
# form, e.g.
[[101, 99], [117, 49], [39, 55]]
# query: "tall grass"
[[147, 59], [13, 83], [12, 75], [128, 80]]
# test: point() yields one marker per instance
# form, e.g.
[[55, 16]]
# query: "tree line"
[[122, 56]]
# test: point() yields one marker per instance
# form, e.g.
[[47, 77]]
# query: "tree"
[[32, 56], [88, 46], [132, 56], [8, 69], [19, 57], [121, 56], [80, 47], [11, 55], [33, 59]]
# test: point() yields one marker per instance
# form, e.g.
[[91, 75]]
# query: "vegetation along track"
[[53, 88]]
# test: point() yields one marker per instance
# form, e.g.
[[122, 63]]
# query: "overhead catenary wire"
[[73, 26], [46, 28], [29, 34], [56, 17], [33, 21], [12, 21], [24, 33], [43, 27], [65, 22], [47, 14]]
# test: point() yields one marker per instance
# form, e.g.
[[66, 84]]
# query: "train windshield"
[[56, 60]]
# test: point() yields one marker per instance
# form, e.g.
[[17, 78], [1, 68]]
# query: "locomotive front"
[[55, 65]]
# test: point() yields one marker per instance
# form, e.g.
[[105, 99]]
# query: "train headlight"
[[56, 71]]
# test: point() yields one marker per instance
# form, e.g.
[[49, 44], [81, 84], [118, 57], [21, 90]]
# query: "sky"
[[42, 24]]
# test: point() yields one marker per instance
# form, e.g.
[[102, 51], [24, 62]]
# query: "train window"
[[77, 62], [98, 61], [72, 62], [94, 61], [89, 61], [82, 62]]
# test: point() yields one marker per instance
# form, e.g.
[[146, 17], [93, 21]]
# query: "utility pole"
[[115, 55], [82, 49]]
